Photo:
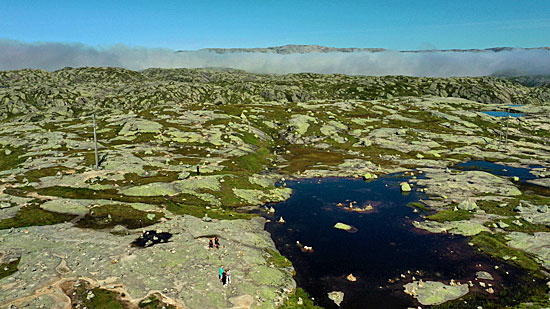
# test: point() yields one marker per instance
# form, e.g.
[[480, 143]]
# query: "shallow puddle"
[[383, 254]]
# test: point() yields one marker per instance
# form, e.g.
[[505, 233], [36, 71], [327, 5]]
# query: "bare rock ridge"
[[73, 90], [302, 49]]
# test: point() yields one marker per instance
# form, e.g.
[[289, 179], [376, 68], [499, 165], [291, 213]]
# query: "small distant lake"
[[504, 170], [384, 246], [497, 169], [502, 114]]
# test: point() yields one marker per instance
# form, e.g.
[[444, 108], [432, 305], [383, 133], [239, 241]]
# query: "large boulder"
[[405, 187], [468, 204]]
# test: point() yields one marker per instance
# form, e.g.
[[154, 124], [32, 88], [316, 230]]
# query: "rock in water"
[[468, 205], [369, 176], [342, 226], [351, 278], [337, 297], [405, 187], [434, 293], [281, 220], [484, 275]]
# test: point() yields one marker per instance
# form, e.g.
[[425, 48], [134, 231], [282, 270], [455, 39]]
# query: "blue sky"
[[399, 25]]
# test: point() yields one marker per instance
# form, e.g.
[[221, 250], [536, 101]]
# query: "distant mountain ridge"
[[304, 49]]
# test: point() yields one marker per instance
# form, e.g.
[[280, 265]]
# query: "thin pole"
[[95, 143], [500, 134], [507, 121]]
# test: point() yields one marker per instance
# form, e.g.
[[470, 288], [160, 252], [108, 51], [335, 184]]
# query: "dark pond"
[[385, 245], [502, 114], [497, 169]]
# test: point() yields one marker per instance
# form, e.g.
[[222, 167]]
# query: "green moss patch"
[[299, 296], [524, 294], [33, 215], [154, 302], [83, 296], [277, 259], [200, 211], [450, 215], [9, 269], [105, 216], [419, 206], [495, 246], [12, 160]]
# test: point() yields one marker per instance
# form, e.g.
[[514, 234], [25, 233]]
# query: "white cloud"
[[53, 56]]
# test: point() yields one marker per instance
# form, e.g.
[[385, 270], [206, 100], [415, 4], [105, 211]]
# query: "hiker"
[[224, 278], [228, 272], [217, 242], [221, 272], [210, 244], [198, 172]]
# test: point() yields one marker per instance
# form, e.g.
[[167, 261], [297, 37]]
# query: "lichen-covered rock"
[[337, 297], [536, 244], [434, 293], [342, 226], [184, 261], [151, 189], [468, 204]]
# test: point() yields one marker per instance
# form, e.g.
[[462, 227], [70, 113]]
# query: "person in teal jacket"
[[221, 272]]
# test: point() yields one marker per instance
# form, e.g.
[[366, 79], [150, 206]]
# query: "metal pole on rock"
[[95, 145]]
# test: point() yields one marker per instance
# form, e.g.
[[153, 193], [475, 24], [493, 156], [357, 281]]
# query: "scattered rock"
[[483, 275], [342, 226], [351, 278], [337, 297], [405, 187]]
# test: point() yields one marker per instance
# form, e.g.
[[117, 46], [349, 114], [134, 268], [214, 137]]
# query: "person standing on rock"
[[221, 272], [228, 272], [217, 242], [224, 278], [210, 244]]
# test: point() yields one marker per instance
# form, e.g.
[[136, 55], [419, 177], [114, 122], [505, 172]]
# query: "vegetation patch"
[[299, 299], [450, 215], [154, 302], [82, 295], [11, 160], [420, 206], [524, 294], [200, 211], [277, 259], [8, 269], [495, 246], [33, 215], [105, 216]]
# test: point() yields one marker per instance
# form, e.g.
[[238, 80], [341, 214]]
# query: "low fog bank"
[[52, 56]]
